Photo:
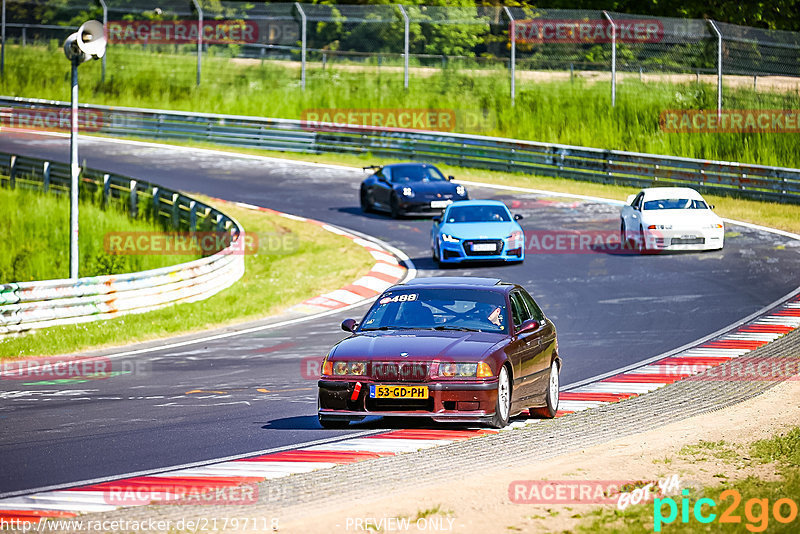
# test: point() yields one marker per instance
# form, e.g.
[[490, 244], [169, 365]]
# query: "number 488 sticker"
[[407, 297]]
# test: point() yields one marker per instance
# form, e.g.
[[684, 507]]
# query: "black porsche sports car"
[[409, 188]]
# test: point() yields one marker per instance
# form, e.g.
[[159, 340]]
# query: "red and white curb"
[[734, 344], [386, 272], [192, 482]]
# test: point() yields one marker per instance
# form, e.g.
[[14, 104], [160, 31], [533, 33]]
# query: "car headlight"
[[660, 227], [461, 191], [408, 192], [344, 368], [516, 235], [463, 370], [449, 239]]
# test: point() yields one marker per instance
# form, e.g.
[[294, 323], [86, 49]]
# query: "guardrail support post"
[[176, 215], [199, 39], [304, 24], [405, 44], [719, 65], [220, 224], [134, 198], [156, 202], [106, 188], [613, 58], [12, 173], [192, 216], [3, 42], [512, 37], [46, 176]]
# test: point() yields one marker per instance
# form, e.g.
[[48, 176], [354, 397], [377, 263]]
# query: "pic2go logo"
[[756, 511]]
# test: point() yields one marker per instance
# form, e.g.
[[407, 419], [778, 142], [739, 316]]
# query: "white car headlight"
[[660, 227], [450, 239], [408, 192], [461, 190]]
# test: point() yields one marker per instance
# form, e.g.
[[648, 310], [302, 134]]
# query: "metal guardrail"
[[591, 164], [31, 305]]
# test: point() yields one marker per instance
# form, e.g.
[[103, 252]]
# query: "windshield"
[[468, 214], [438, 309], [416, 173], [675, 204]]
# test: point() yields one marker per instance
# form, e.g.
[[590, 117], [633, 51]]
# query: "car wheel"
[[332, 423], [366, 205], [623, 238], [394, 205], [551, 399], [502, 409]]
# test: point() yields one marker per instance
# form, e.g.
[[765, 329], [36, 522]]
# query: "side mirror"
[[711, 206], [630, 199], [437, 220], [349, 325], [518, 217], [451, 178], [533, 325]]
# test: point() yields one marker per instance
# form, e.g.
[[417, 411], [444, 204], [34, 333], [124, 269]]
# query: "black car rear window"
[[438, 309]]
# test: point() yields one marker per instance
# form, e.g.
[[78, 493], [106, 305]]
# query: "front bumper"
[[468, 401], [456, 253], [422, 206], [685, 239]]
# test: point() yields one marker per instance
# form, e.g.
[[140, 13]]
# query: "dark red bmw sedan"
[[454, 349]]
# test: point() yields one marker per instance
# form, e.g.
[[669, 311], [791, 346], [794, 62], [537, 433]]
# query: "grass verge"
[[34, 232], [754, 510], [275, 278], [547, 109]]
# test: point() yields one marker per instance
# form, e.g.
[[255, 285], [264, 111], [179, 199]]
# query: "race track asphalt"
[[251, 393]]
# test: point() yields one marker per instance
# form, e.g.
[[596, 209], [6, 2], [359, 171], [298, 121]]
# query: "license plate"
[[398, 392], [484, 247], [440, 203]]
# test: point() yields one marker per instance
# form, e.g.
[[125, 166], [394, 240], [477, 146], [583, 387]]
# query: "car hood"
[[480, 230], [417, 345]]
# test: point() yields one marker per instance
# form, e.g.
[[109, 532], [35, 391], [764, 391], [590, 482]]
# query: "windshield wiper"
[[457, 328]]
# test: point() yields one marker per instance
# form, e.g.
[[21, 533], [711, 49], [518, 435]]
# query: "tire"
[[623, 238], [394, 206], [366, 205], [329, 423], [548, 411], [437, 255], [502, 409]]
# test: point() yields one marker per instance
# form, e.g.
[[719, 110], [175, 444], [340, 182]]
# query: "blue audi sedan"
[[477, 230]]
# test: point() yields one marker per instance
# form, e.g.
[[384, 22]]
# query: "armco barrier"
[[30, 305], [592, 164]]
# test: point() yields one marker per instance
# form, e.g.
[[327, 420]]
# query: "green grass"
[[274, 280], [783, 450], [34, 232], [576, 113]]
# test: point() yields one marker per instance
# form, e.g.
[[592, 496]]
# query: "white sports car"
[[670, 218]]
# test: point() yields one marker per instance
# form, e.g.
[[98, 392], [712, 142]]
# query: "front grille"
[[398, 405], [688, 241], [498, 243], [399, 371]]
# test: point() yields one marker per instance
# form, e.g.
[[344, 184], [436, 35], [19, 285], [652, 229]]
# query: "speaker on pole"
[[89, 42]]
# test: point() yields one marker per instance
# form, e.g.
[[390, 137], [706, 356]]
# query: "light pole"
[[89, 42]]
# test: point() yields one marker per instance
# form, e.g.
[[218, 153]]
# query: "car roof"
[[459, 203], [413, 163], [653, 193], [450, 281]]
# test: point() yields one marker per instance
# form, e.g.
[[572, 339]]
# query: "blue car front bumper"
[[463, 251]]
